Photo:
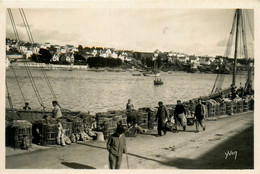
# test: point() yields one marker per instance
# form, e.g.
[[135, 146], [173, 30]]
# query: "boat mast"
[[238, 11]]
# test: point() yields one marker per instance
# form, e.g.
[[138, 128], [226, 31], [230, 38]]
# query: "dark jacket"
[[116, 145], [179, 109], [199, 111], [162, 114]]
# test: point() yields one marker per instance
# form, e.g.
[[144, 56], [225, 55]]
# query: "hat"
[[160, 102], [178, 100], [120, 130]]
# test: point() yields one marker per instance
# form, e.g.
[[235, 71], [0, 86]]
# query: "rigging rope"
[[32, 41], [220, 77], [18, 84], [247, 15], [17, 38], [26, 66], [13, 24], [9, 99]]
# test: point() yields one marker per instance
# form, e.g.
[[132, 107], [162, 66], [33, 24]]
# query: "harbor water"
[[82, 90]]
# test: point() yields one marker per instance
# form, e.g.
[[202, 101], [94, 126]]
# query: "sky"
[[190, 31]]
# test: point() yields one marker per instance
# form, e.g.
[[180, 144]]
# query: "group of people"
[[56, 111], [179, 116], [116, 144]]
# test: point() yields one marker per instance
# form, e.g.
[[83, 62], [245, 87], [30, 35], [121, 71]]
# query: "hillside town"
[[19, 51]]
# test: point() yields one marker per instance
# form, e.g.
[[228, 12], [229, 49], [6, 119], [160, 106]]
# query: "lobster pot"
[[87, 123], [234, 107], [21, 132], [104, 122], [49, 134], [229, 107], [67, 127], [223, 109], [142, 120], [77, 124], [240, 106], [211, 110], [206, 113], [251, 102], [217, 111], [245, 105], [151, 117]]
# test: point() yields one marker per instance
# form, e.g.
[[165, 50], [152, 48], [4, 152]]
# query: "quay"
[[183, 150]]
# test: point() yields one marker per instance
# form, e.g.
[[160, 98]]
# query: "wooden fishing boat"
[[158, 81], [136, 74]]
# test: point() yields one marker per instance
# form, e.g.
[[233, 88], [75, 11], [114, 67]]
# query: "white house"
[[28, 53], [194, 59], [106, 54], [94, 52], [204, 60], [55, 57], [182, 58], [114, 55]]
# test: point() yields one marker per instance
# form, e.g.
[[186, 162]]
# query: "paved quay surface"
[[233, 135]]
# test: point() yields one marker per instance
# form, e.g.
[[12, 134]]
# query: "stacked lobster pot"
[[89, 121], [48, 133], [223, 108], [151, 115], [142, 119], [119, 117], [234, 106], [77, 123], [105, 124], [239, 106], [245, 105], [251, 104], [20, 132], [229, 106], [211, 108], [218, 109]]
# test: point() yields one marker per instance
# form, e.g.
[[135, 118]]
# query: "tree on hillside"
[[45, 56]]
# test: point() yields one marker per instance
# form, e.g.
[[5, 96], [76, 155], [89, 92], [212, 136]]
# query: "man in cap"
[[129, 105], [116, 146], [26, 106], [162, 115], [56, 112], [179, 115], [199, 114]]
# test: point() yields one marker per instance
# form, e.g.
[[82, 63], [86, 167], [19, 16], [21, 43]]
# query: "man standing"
[[56, 112], [161, 115], [129, 105], [179, 115], [26, 106], [116, 146], [199, 114]]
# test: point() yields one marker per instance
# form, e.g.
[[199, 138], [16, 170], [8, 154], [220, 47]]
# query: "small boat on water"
[[151, 74], [136, 74], [158, 81]]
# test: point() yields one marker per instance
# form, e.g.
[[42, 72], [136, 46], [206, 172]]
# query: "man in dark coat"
[[179, 115], [116, 145], [199, 114], [162, 115]]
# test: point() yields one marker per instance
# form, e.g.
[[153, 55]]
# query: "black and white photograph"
[[128, 85]]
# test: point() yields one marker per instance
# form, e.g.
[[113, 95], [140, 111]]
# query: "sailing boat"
[[155, 72], [238, 28]]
